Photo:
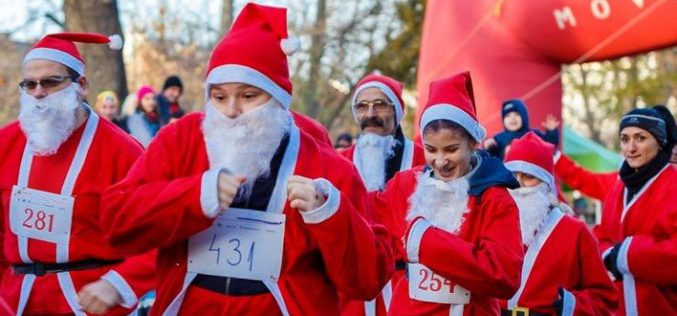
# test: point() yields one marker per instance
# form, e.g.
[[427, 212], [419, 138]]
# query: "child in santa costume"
[[251, 216], [638, 233], [56, 161], [459, 223], [562, 273]]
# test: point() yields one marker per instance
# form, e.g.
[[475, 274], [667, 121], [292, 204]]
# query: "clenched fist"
[[228, 185], [98, 297], [303, 194]]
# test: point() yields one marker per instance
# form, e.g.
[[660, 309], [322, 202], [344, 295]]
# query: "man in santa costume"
[[562, 272], [56, 162], [459, 223], [638, 233], [381, 149], [251, 216], [380, 152]]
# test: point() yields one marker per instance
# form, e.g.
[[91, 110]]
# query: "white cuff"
[[209, 198], [556, 157], [330, 206], [568, 303], [622, 258], [414, 239], [128, 296], [606, 253]]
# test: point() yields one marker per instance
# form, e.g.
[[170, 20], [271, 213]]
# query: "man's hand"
[[303, 194], [228, 185], [551, 123], [98, 297], [489, 142]]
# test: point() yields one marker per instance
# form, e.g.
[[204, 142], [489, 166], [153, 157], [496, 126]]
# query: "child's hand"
[[551, 123], [490, 142]]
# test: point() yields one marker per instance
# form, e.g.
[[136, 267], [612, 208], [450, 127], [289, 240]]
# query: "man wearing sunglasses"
[[381, 149], [380, 152], [56, 160]]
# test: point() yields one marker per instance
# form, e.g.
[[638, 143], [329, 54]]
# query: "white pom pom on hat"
[[115, 42], [290, 45]]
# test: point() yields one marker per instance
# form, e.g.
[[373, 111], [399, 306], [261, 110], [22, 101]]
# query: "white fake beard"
[[373, 151], [48, 122], [444, 204], [245, 145], [533, 204]]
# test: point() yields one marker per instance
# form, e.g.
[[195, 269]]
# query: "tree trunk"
[[318, 40], [105, 67], [226, 17]]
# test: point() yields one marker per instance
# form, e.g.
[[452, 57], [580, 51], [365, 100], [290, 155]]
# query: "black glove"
[[610, 262], [559, 303]]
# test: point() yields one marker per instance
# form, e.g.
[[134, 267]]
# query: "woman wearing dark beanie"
[[638, 233]]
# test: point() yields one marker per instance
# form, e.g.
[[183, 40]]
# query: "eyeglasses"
[[379, 105], [47, 83]]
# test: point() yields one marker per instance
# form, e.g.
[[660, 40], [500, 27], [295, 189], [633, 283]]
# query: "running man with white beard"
[[381, 149], [563, 273], [56, 161], [380, 152], [459, 225], [250, 215]]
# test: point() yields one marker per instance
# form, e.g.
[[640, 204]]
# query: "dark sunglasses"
[[46, 83]]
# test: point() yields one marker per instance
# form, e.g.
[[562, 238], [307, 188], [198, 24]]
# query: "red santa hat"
[[452, 99], [255, 52], [533, 156], [389, 86], [60, 47]]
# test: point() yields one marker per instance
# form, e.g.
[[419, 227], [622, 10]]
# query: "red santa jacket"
[[565, 255], [484, 258], [110, 156], [159, 205], [313, 128], [646, 227], [594, 185]]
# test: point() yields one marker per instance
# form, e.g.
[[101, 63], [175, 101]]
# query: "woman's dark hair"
[[436, 125]]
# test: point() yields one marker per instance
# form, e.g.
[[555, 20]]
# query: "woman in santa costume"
[[251, 216], [562, 272], [459, 223], [638, 233], [56, 161]]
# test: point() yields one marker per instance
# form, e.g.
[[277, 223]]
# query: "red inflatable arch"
[[515, 48]]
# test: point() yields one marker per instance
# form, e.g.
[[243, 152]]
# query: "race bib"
[[426, 286], [40, 215], [241, 243]]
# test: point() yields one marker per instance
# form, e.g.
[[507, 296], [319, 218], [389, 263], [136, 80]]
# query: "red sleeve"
[[594, 185], [595, 294], [139, 272], [606, 231], [490, 266], [150, 208], [390, 205], [356, 250], [649, 257], [3, 261]]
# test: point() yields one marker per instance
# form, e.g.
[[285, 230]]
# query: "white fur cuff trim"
[[330, 206], [556, 157], [414, 239], [128, 296], [622, 259], [209, 198], [568, 303]]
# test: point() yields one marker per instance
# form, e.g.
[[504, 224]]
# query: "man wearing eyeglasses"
[[380, 152], [56, 160], [381, 149]]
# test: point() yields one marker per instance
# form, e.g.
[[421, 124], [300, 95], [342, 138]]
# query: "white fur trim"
[[414, 239], [452, 113], [115, 42], [387, 91], [128, 296], [533, 170], [622, 258], [209, 198], [330, 206], [232, 73], [57, 56], [629, 288], [290, 45], [557, 156], [568, 303]]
